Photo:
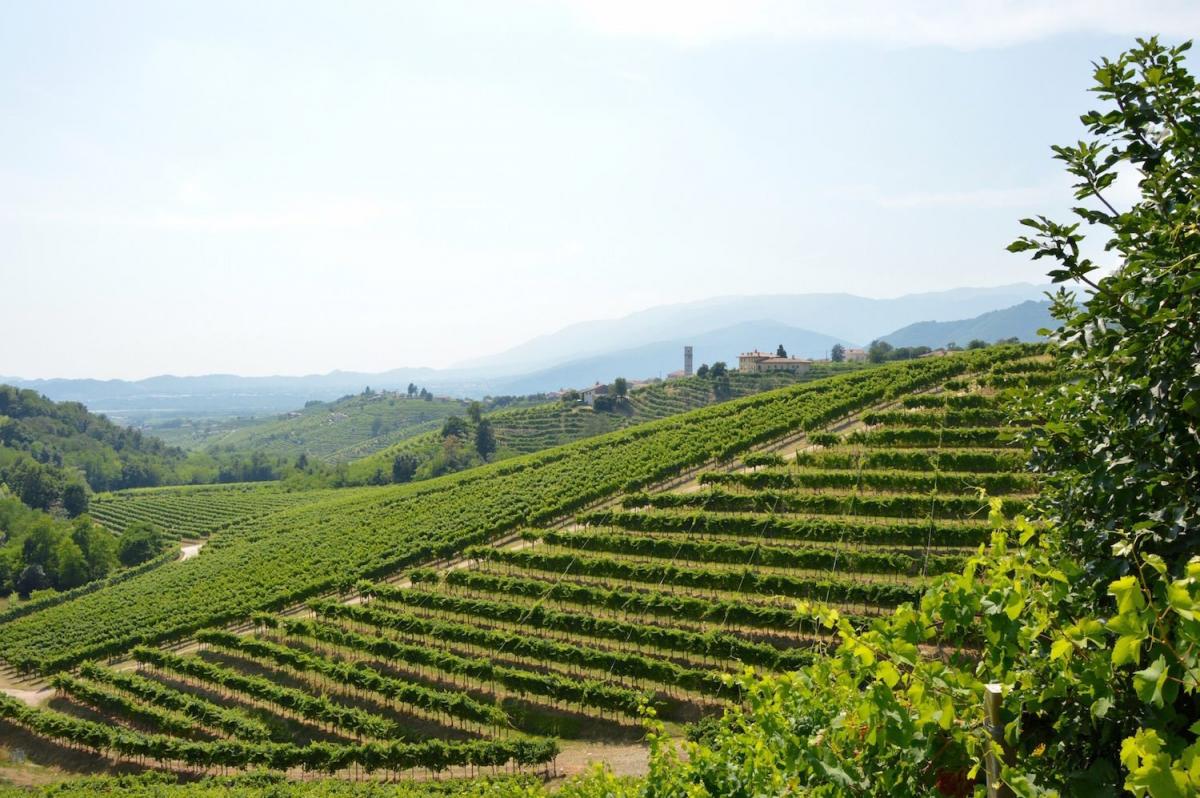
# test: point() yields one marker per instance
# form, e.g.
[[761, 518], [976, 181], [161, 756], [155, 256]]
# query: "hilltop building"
[[588, 395], [757, 362], [855, 355]]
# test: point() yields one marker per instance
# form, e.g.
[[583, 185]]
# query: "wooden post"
[[991, 707]]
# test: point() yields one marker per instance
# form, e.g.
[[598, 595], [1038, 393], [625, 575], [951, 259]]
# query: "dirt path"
[[31, 697], [624, 759], [189, 550]]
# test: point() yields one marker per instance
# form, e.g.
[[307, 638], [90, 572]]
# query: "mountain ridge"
[[842, 315], [1020, 321]]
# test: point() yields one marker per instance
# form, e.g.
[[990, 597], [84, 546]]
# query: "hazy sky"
[[292, 187]]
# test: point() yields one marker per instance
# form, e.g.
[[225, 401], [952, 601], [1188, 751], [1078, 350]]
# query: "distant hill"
[[46, 445], [133, 400], [662, 357], [843, 316], [1019, 321]]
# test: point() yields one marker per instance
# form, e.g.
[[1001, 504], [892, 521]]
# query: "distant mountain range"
[[644, 344], [1020, 321], [842, 316]]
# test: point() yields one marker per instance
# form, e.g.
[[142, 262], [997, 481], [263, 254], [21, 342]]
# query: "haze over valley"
[[647, 344]]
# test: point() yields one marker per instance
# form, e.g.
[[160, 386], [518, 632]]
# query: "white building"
[[588, 395]]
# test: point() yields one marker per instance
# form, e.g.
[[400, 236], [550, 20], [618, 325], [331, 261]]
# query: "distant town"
[[759, 362]]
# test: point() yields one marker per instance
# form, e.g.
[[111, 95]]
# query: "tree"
[[1120, 446], [702, 372], [485, 439], [75, 499], [620, 387], [412, 390], [70, 566], [32, 578], [6, 575], [40, 539], [838, 353], [718, 370], [879, 351], [454, 426], [302, 462], [977, 343], [452, 457], [37, 485], [475, 412], [98, 545], [781, 352], [404, 466], [140, 542]]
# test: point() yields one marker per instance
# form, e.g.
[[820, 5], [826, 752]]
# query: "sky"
[[295, 187]]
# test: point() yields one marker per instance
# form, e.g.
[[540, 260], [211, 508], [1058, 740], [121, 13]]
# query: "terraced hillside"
[[196, 511], [572, 587], [524, 430], [341, 431]]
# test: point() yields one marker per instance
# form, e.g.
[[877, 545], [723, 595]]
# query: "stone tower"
[[687, 361]]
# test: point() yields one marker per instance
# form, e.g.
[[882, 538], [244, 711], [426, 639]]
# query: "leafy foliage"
[[63, 437]]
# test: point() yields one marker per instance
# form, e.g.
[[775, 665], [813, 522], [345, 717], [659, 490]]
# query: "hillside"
[[342, 430], [45, 445], [1020, 321], [554, 637]]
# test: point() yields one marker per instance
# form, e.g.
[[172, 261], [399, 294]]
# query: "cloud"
[[964, 25]]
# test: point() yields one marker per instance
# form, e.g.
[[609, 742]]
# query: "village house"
[[855, 355], [588, 395]]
